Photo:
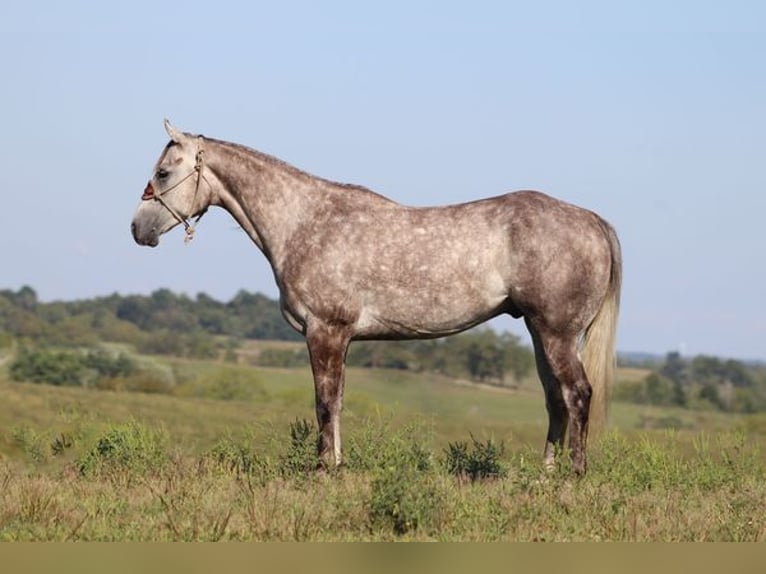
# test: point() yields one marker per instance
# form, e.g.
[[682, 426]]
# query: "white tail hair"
[[598, 351]]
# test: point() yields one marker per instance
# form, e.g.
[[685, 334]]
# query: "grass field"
[[215, 460]]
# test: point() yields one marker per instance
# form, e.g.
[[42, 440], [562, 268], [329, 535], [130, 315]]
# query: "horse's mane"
[[289, 168]]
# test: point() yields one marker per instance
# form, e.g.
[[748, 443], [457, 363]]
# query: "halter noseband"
[[150, 193]]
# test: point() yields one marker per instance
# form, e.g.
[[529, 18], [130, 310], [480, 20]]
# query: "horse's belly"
[[427, 311]]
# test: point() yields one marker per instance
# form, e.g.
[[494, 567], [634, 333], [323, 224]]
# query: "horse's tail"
[[598, 350]]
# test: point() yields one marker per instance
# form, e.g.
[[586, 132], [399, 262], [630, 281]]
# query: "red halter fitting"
[[148, 192]]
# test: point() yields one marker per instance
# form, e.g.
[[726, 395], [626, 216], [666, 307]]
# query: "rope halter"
[[149, 193]]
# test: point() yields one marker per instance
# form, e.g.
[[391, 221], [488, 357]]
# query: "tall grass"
[[128, 482]]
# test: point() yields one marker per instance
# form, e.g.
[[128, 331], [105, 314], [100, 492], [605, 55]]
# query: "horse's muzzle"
[[150, 239]]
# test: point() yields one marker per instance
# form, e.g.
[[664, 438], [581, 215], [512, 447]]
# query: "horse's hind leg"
[[327, 351], [558, 415], [567, 394]]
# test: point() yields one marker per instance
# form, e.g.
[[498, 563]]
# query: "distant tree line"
[[480, 355], [701, 382], [202, 327], [167, 323], [160, 323]]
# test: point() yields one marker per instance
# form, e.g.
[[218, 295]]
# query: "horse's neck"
[[268, 198]]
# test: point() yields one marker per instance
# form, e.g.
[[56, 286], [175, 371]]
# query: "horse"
[[351, 264]]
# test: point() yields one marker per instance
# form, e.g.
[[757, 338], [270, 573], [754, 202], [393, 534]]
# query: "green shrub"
[[125, 448], [60, 368], [481, 461], [457, 459], [378, 446], [404, 494], [301, 456], [109, 365], [70, 368], [233, 455], [404, 497], [298, 460]]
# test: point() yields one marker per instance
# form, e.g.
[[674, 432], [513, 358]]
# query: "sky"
[[651, 113]]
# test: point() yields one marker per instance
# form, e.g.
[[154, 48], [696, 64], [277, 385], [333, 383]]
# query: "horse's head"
[[176, 192]]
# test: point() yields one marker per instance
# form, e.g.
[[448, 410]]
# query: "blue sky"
[[651, 113]]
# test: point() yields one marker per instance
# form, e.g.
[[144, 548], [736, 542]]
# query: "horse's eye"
[[162, 173]]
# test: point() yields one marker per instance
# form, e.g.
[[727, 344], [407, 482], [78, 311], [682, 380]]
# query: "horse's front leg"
[[327, 351]]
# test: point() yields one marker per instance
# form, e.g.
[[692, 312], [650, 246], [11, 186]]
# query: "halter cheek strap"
[[149, 193]]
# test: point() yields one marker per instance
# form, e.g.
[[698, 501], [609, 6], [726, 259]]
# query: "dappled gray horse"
[[351, 264]]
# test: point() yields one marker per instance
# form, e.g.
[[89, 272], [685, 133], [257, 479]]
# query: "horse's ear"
[[174, 134]]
